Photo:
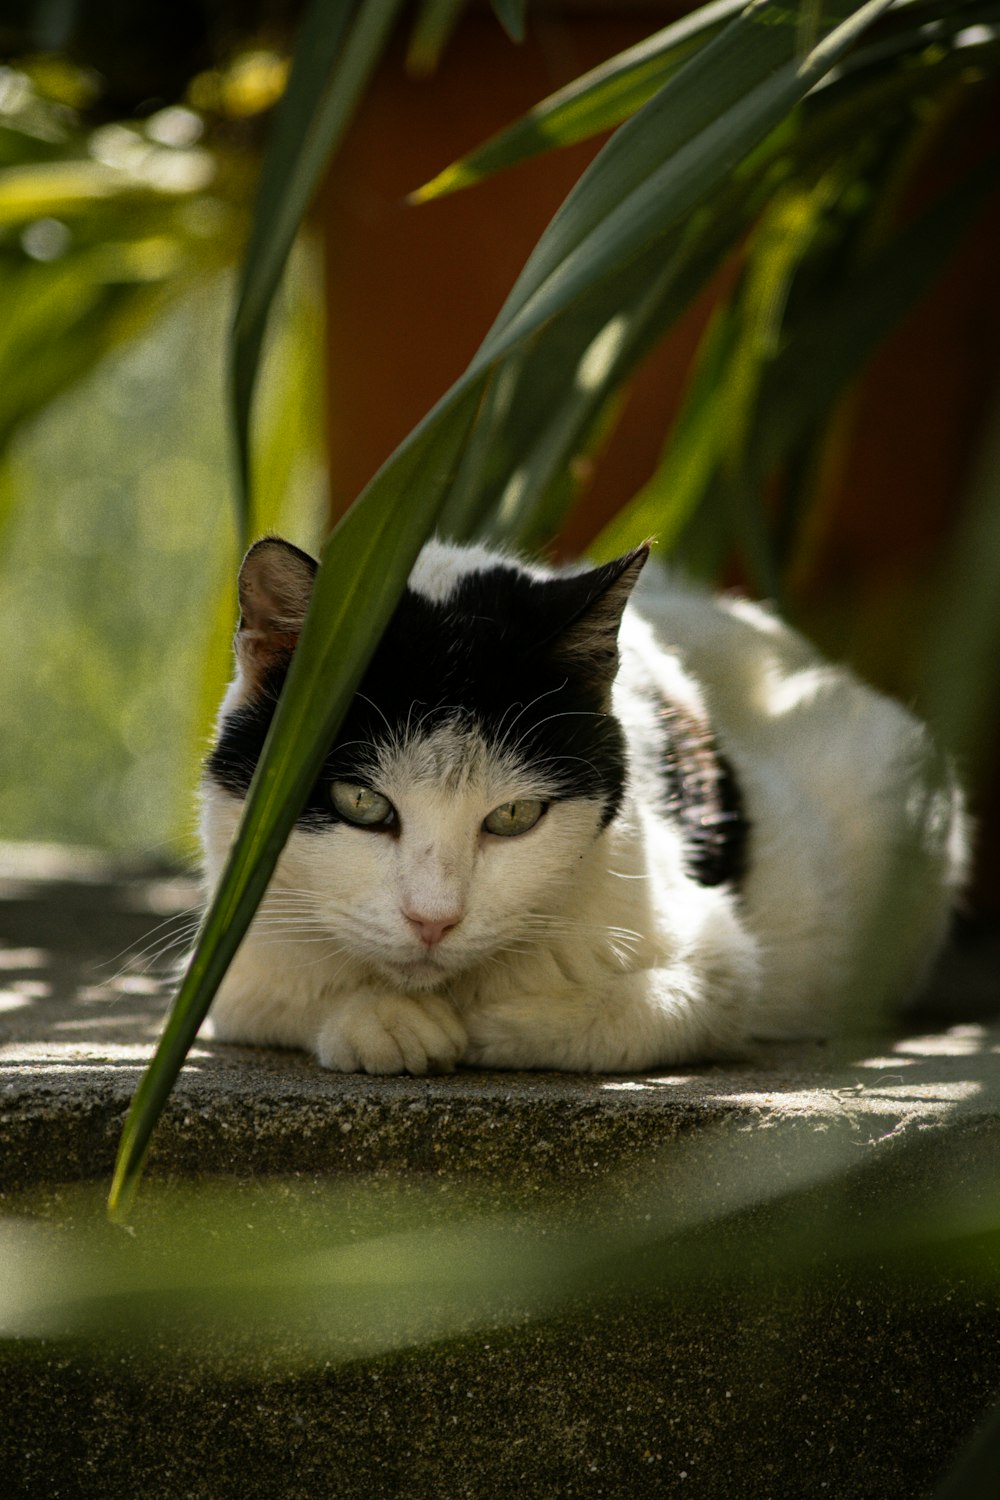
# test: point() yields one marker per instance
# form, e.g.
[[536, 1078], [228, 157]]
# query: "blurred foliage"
[[116, 574], [139, 57], [341, 1269], [100, 229], [755, 1229], [116, 582]]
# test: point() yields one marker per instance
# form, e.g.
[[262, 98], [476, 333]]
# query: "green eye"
[[361, 806], [512, 818]]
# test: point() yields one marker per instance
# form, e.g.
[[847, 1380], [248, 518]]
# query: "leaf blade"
[[642, 185], [597, 101], [334, 61], [510, 14], [363, 570]]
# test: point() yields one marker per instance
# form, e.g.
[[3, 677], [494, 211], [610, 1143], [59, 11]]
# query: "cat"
[[564, 829]]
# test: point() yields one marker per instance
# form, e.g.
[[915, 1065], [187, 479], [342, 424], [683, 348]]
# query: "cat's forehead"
[[470, 649], [442, 571], [455, 760]]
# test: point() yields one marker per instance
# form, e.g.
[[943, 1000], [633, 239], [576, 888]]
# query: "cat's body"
[[530, 849]]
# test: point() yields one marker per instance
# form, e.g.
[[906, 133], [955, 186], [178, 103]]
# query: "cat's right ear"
[[275, 585]]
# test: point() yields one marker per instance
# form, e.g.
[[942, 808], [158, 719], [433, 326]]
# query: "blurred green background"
[[117, 544]]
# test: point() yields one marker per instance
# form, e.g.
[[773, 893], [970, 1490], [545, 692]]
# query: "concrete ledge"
[[857, 1383], [81, 1007]]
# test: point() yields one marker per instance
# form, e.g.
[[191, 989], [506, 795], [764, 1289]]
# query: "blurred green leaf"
[[336, 53], [974, 1474], [337, 1271], [434, 23], [100, 232], [764, 378], [510, 14], [56, 188], [365, 565], [597, 101]]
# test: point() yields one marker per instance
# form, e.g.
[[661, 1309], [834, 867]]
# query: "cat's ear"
[[275, 584], [597, 600]]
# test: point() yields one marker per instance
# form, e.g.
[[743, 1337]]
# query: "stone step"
[[716, 1282]]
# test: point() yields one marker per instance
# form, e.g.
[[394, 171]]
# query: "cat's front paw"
[[373, 1033]]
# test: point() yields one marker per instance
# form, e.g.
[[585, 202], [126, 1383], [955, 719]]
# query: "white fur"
[[588, 950]]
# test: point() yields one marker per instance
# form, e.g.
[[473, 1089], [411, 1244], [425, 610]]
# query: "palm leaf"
[[510, 14], [666, 504], [364, 566], [551, 402], [614, 90], [670, 157], [597, 101], [760, 391], [432, 29], [338, 49]]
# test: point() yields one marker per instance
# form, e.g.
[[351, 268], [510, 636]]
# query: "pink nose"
[[430, 930]]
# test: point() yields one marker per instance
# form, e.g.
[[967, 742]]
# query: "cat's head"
[[475, 767]]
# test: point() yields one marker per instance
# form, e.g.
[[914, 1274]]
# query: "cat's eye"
[[361, 806], [512, 818]]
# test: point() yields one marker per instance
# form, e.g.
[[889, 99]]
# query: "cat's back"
[[856, 825], [769, 691]]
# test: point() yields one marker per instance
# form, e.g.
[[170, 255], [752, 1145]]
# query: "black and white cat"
[[561, 830]]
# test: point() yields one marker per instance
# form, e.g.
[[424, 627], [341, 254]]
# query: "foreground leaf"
[[365, 565], [597, 101]]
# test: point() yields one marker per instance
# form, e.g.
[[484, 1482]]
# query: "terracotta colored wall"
[[412, 291]]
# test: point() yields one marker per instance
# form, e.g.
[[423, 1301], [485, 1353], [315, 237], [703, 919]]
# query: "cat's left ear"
[[275, 585], [596, 601]]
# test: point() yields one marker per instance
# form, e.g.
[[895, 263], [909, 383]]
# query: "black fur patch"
[[488, 657], [704, 798]]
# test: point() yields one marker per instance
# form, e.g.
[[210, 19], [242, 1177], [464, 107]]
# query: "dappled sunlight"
[[957, 1041], [15, 999], [921, 1078], [918, 1079], [639, 1085], [23, 958], [82, 988], [27, 1065]]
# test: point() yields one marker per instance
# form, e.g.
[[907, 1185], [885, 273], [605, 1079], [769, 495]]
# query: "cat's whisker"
[[496, 961], [155, 955], [129, 953]]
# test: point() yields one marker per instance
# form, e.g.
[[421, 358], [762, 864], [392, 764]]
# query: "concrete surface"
[[854, 1378]]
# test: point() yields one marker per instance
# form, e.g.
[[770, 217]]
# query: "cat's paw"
[[373, 1033]]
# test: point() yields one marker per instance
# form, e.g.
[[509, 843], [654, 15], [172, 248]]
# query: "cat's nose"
[[431, 930]]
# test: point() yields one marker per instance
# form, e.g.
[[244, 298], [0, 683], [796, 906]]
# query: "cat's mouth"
[[424, 972]]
